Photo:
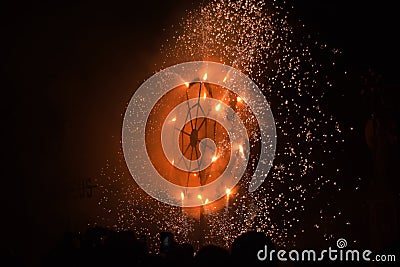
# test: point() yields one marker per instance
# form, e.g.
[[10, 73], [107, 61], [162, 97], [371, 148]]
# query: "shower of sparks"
[[257, 39]]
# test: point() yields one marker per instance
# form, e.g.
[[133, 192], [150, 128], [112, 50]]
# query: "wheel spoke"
[[182, 131], [198, 104], [189, 109], [201, 124]]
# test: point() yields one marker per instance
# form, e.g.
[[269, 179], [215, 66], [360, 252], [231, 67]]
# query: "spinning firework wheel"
[[195, 131], [197, 128], [186, 139]]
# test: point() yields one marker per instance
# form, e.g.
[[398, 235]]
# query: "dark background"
[[69, 70]]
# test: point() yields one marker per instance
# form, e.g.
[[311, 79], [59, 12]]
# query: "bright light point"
[[182, 196], [204, 95], [194, 175], [241, 149], [173, 162], [228, 191], [173, 119], [218, 107], [224, 79], [205, 76], [206, 201], [239, 99], [199, 197], [187, 84]]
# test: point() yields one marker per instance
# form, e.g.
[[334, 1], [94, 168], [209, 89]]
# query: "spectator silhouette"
[[180, 255], [245, 247], [211, 255]]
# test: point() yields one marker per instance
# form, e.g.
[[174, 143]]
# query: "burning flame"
[[228, 191]]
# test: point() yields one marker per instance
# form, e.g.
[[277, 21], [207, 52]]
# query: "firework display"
[[258, 40]]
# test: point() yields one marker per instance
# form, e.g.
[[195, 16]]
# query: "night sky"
[[70, 69]]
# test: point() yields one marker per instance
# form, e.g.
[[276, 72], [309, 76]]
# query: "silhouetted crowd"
[[104, 247]]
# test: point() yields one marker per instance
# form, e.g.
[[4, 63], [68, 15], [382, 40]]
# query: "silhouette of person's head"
[[211, 255], [180, 255], [245, 247]]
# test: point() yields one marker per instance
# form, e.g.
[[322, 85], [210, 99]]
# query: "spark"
[[218, 107], [241, 149], [228, 191], [205, 76], [214, 158]]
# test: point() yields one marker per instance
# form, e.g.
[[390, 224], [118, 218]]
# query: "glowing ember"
[[228, 191], [241, 149]]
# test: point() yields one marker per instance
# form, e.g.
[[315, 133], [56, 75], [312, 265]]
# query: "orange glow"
[[220, 159], [194, 174], [204, 95]]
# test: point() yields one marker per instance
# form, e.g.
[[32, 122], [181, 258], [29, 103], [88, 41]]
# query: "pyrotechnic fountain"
[[257, 40]]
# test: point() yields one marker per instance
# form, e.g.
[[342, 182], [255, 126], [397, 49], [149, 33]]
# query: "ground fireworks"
[[257, 39]]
